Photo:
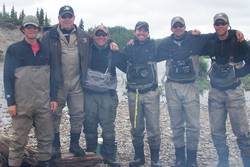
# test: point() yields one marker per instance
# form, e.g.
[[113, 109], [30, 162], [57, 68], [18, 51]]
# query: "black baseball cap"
[[66, 10], [142, 24]]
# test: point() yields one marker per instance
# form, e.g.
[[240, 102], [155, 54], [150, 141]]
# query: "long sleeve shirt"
[[21, 54]]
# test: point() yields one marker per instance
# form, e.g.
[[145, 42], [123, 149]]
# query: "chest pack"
[[181, 70], [223, 75], [101, 82], [141, 76]]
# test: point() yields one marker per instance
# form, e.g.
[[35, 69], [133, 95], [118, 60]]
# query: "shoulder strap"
[[109, 62], [233, 43]]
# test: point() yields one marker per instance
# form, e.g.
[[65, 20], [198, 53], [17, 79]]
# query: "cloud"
[[197, 14]]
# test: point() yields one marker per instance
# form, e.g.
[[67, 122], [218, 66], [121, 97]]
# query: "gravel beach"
[[206, 155]]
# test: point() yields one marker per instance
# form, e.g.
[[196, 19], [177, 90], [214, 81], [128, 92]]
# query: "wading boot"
[[192, 158], [155, 161], [180, 160], [74, 145], [139, 158], [56, 146]]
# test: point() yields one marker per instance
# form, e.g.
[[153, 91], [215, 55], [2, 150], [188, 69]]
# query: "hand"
[[131, 42], [12, 110], [240, 36], [195, 32], [53, 106], [113, 46]]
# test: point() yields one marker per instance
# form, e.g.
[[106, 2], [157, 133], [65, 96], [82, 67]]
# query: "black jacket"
[[141, 53], [20, 54], [220, 51], [188, 45], [99, 59]]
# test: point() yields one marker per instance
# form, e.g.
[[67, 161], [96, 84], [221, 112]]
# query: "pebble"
[[206, 155]]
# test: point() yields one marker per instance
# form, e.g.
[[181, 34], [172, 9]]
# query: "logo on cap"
[[66, 9]]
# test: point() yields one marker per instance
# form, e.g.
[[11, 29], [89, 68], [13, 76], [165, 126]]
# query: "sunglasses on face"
[[67, 16], [30, 26], [101, 33], [142, 29], [220, 23], [178, 25]]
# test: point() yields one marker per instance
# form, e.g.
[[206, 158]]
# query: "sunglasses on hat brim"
[[220, 23], [101, 33], [31, 26], [176, 25]]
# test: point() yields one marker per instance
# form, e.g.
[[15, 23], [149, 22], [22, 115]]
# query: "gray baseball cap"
[[177, 19], [30, 20], [102, 28], [221, 16]]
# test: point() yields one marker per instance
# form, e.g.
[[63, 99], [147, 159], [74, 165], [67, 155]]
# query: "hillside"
[[7, 37]]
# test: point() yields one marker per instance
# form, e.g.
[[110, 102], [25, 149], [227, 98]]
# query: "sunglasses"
[[101, 33], [220, 23], [30, 26], [142, 29], [178, 25], [67, 16]]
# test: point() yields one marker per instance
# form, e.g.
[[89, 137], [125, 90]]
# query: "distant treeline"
[[13, 18]]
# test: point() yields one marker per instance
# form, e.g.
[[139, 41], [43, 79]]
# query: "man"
[[143, 95], [100, 96], [69, 46], [230, 61], [180, 50], [30, 93]]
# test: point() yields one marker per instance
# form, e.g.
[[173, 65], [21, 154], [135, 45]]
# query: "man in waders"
[[101, 98], [30, 93], [143, 95], [69, 46], [181, 52], [230, 61]]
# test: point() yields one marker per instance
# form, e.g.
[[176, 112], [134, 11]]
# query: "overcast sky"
[[158, 13]]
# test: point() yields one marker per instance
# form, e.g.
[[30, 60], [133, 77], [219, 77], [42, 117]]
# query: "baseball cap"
[[221, 16], [177, 19], [101, 28], [142, 24], [30, 20], [66, 9]]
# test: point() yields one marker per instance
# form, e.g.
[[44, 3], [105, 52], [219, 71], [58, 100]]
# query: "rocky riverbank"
[[206, 156]]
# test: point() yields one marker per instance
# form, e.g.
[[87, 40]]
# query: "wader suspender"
[[137, 102], [109, 63], [137, 95]]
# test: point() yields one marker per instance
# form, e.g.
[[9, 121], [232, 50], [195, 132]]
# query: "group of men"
[[68, 66]]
